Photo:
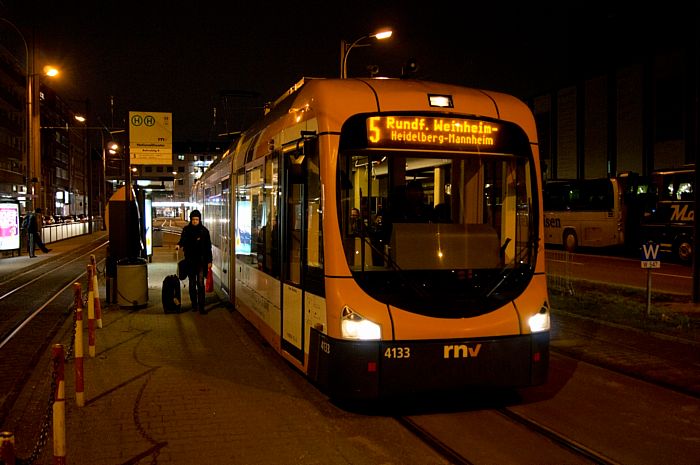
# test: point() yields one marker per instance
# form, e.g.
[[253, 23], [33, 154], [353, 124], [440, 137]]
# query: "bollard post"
[[7, 448], [91, 314], [79, 366], [96, 289], [59, 406]]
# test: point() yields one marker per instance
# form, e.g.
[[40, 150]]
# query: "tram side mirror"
[[296, 164], [297, 160]]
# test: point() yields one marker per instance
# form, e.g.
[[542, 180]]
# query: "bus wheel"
[[570, 241], [684, 250]]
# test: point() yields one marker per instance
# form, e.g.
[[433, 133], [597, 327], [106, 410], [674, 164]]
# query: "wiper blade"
[[505, 272]]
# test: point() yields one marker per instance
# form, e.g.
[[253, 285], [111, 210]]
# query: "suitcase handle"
[[177, 260]]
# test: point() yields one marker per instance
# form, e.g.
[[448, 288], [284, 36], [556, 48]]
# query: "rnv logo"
[[460, 351]]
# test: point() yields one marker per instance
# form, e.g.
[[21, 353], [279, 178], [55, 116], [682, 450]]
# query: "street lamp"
[[345, 48], [87, 154], [34, 129]]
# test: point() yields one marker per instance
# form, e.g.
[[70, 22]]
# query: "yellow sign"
[[150, 138], [398, 131]]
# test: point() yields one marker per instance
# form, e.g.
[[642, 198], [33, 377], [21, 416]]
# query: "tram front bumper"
[[373, 369]]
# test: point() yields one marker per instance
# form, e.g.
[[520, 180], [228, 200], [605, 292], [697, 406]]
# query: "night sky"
[[164, 56]]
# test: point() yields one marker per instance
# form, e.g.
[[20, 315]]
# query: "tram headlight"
[[540, 321], [355, 326]]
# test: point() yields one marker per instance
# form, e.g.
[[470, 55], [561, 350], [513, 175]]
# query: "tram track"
[[433, 442], [15, 317], [35, 304], [556, 437], [442, 446]]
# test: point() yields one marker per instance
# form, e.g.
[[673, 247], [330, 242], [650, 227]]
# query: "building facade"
[[13, 123], [628, 116]]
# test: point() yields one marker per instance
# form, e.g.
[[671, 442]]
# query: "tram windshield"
[[449, 234]]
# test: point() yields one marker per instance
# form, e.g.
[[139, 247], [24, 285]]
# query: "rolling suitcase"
[[171, 294]]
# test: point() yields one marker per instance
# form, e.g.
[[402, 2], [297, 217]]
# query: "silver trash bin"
[[132, 282]]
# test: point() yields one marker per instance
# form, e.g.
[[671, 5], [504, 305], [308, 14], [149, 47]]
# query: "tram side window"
[[314, 219], [268, 252], [258, 211], [314, 216]]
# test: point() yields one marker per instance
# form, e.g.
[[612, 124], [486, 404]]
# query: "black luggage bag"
[[171, 294]]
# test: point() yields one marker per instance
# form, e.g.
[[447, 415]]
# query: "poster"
[[9, 226]]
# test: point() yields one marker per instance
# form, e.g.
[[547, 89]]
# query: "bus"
[[601, 212], [669, 214], [386, 236]]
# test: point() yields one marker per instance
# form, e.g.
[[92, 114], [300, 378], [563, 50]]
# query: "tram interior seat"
[[437, 246]]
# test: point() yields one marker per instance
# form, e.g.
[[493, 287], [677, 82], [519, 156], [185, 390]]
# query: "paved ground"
[[193, 388]]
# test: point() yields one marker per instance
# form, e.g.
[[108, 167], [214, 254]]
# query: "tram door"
[[225, 235], [302, 244], [293, 238]]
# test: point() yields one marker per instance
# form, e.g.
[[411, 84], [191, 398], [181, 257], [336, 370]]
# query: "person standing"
[[196, 241], [36, 223]]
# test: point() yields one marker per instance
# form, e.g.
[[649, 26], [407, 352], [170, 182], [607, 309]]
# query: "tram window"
[[269, 252], [257, 218], [314, 213], [314, 281], [486, 199]]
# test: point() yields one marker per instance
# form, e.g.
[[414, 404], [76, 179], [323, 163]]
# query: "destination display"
[[432, 132]]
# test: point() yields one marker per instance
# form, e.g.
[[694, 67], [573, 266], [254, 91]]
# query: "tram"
[[386, 236]]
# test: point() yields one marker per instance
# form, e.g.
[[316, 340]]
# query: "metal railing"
[[559, 271], [57, 232]]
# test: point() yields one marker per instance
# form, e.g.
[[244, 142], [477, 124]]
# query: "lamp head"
[[50, 71], [383, 34]]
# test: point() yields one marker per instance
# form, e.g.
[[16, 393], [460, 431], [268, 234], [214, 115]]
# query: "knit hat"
[[195, 213]]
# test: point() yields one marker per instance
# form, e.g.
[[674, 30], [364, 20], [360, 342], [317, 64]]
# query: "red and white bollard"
[[78, 347], [91, 313], [7, 448], [59, 406], [96, 289]]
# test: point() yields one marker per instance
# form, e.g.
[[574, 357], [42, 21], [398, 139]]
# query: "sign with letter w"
[[650, 252]]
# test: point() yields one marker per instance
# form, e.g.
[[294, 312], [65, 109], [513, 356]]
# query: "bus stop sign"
[[650, 254]]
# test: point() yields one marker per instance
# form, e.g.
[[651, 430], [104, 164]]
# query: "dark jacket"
[[197, 244], [34, 226]]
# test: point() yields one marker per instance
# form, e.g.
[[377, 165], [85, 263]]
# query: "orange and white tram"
[[386, 236]]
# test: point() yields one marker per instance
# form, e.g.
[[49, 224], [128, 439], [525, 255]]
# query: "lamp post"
[[87, 206], [345, 48], [34, 133]]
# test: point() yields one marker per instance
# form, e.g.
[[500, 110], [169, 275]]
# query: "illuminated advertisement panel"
[[433, 132], [9, 226], [243, 230], [148, 221]]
